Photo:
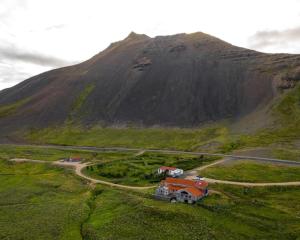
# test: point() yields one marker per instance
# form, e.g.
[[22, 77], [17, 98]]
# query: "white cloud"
[[287, 39]]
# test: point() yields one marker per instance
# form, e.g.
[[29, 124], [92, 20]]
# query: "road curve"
[[78, 171], [80, 166], [140, 150]]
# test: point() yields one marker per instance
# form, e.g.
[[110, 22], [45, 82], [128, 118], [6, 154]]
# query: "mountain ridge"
[[178, 80]]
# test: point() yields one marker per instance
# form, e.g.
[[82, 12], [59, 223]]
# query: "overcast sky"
[[38, 35]]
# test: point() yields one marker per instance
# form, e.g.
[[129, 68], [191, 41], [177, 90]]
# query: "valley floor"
[[39, 200]]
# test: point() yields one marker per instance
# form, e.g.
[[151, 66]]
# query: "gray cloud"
[[15, 54], [55, 27], [265, 39], [12, 74], [14, 64]]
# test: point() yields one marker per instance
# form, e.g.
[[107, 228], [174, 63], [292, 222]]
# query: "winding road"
[[78, 171], [190, 174]]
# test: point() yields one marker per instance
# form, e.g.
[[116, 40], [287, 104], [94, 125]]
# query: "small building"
[[73, 159], [181, 190], [170, 171]]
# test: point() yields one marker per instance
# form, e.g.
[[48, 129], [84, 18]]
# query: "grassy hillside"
[[77, 105], [9, 109], [171, 138], [286, 112], [292, 153], [212, 138]]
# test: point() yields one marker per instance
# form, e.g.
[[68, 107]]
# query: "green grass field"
[[163, 138], [249, 171], [141, 170], [240, 213], [40, 201]]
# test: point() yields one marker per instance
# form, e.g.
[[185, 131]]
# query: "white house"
[[170, 171]]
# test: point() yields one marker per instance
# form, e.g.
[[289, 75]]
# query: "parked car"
[[199, 178]]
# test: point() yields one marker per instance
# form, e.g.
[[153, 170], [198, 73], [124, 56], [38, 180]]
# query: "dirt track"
[[78, 171], [79, 166]]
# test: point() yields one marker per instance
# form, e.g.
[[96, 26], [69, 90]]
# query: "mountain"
[[179, 80]]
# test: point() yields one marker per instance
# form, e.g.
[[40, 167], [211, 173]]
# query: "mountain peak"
[[177, 80], [133, 35]]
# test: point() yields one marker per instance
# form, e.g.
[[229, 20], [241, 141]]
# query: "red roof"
[[201, 184], [164, 168], [186, 182], [174, 188]]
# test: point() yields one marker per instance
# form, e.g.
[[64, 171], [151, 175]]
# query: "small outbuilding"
[[170, 171], [73, 159]]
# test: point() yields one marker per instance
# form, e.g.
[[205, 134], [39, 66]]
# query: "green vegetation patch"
[[78, 103], [52, 154], [167, 138], [248, 171], [9, 109], [39, 201], [142, 170], [287, 153], [236, 213]]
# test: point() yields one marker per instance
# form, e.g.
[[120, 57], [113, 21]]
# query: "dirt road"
[[78, 171], [194, 172], [80, 166]]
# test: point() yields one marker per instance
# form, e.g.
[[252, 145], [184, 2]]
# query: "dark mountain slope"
[[179, 80]]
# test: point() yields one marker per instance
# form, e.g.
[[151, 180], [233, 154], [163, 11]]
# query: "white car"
[[199, 178]]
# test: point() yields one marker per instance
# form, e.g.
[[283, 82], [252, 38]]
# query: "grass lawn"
[[249, 171], [264, 213], [38, 201], [51, 154], [141, 170]]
